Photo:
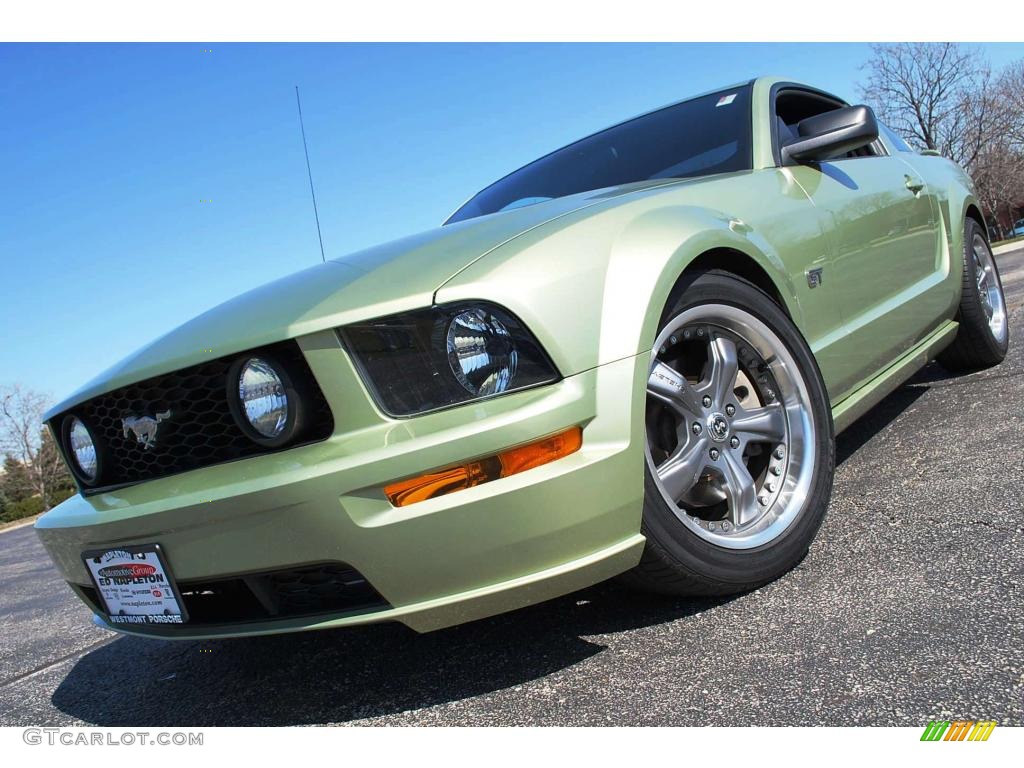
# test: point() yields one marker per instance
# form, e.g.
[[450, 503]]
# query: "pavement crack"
[[964, 382], [55, 662]]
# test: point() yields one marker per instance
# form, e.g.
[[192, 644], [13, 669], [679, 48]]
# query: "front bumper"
[[447, 560]]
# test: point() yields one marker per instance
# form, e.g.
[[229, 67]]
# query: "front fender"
[[694, 231], [592, 286]]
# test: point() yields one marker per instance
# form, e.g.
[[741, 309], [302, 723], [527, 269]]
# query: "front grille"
[[325, 588], [200, 431]]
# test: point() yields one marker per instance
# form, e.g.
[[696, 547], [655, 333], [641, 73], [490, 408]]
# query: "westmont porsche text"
[[629, 357]]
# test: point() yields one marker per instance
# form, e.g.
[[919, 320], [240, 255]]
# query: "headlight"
[[266, 405], [80, 448], [481, 352], [435, 358]]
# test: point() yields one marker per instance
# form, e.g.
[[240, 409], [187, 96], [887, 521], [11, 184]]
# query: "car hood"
[[396, 276]]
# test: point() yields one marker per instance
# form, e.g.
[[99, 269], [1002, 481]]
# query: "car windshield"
[[705, 135]]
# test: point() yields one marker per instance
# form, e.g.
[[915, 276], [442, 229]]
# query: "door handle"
[[914, 185]]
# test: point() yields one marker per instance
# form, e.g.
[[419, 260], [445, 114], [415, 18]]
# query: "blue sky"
[[108, 152]]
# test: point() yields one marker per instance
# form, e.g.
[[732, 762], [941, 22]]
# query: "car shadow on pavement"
[[894, 404], [877, 419], [342, 675]]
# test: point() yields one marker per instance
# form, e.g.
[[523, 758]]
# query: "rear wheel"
[[984, 335], [740, 450]]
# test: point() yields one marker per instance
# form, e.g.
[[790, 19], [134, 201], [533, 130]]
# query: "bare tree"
[[1000, 168], [22, 437], [943, 96], [999, 180], [1010, 89], [937, 95]]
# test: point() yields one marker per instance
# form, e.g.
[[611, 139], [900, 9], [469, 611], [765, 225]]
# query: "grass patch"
[[1009, 241]]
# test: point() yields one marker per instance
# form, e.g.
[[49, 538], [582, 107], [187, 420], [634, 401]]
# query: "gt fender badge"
[[814, 277]]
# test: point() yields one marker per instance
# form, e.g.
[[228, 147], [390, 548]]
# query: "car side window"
[[894, 139], [793, 106]]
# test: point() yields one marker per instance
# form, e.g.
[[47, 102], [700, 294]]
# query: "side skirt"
[[873, 392]]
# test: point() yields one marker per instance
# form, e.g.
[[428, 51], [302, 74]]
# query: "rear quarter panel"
[[954, 191]]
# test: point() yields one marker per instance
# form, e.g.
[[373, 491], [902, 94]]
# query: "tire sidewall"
[[972, 298]]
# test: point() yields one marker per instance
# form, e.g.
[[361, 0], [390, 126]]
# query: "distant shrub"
[[33, 505], [16, 510]]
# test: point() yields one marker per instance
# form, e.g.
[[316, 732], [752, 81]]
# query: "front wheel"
[[740, 450]]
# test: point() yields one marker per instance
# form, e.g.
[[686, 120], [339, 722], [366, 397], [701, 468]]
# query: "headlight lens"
[[435, 358], [263, 397], [83, 449], [481, 352]]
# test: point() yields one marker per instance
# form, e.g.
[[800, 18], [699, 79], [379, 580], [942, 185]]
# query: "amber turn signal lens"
[[510, 462]]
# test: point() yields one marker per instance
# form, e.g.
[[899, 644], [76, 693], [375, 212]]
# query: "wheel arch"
[[737, 263], [974, 212], [692, 239], [740, 257]]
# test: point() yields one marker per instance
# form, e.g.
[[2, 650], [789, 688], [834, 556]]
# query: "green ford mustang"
[[629, 357]]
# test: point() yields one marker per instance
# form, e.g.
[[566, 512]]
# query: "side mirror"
[[831, 134]]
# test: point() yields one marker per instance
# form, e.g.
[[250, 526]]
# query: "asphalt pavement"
[[908, 607]]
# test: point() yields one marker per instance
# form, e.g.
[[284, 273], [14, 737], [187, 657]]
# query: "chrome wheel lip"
[[792, 487], [990, 292]]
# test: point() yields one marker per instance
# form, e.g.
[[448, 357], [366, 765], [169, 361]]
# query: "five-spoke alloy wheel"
[[739, 448], [729, 440]]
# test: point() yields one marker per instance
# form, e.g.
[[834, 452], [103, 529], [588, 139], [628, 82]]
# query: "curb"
[[999, 250], [15, 525]]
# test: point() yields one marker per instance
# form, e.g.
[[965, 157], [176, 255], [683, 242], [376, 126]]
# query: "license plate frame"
[[112, 590]]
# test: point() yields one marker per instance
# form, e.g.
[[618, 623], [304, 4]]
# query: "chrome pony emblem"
[[144, 427]]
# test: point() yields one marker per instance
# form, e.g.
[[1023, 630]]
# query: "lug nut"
[[696, 428], [686, 333], [734, 441], [776, 471], [770, 486], [714, 454], [779, 453], [700, 331], [763, 500], [726, 525], [730, 409], [706, 401]]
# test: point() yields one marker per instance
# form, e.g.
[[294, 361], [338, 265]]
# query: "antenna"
[[310, 172]]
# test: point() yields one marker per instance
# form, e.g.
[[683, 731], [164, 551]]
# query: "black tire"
[[676, 560], [975, 346]]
